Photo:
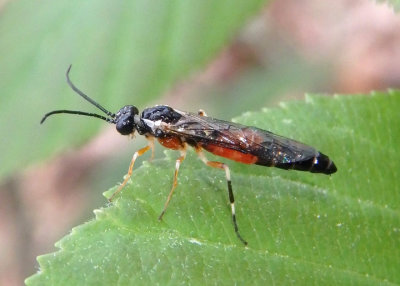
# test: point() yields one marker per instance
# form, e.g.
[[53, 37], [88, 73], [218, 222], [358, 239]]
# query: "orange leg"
[[127, 176], [225, 167], [151, 144], [175, 183]]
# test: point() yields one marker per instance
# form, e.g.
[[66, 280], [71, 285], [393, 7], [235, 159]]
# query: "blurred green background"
[[226, 57]]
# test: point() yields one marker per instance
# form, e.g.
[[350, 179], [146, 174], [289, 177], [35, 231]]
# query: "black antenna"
[[74, 88], [110, 120], [87, 97]]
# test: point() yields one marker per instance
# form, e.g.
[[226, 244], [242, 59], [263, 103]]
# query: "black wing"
[[269, 148]]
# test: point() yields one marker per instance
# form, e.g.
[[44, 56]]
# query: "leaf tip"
[[99, 213]]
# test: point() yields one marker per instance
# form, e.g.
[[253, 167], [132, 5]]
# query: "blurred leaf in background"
[[123, 52]]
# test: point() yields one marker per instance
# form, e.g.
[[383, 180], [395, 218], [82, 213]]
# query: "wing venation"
[[271, 149]]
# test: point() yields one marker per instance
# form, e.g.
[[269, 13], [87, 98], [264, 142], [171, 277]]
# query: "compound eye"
[[125, 126], [124, 119]]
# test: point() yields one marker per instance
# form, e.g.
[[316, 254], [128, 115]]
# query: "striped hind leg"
[[225, 167]]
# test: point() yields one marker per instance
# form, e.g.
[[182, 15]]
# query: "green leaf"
[[302, 228], [123, 52]]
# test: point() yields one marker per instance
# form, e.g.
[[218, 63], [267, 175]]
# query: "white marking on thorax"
[[154, 125]]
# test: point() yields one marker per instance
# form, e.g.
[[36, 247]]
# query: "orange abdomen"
[[230, 154], [171, 142]]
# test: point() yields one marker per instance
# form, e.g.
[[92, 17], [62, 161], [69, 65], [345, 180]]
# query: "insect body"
[[177, 130]]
